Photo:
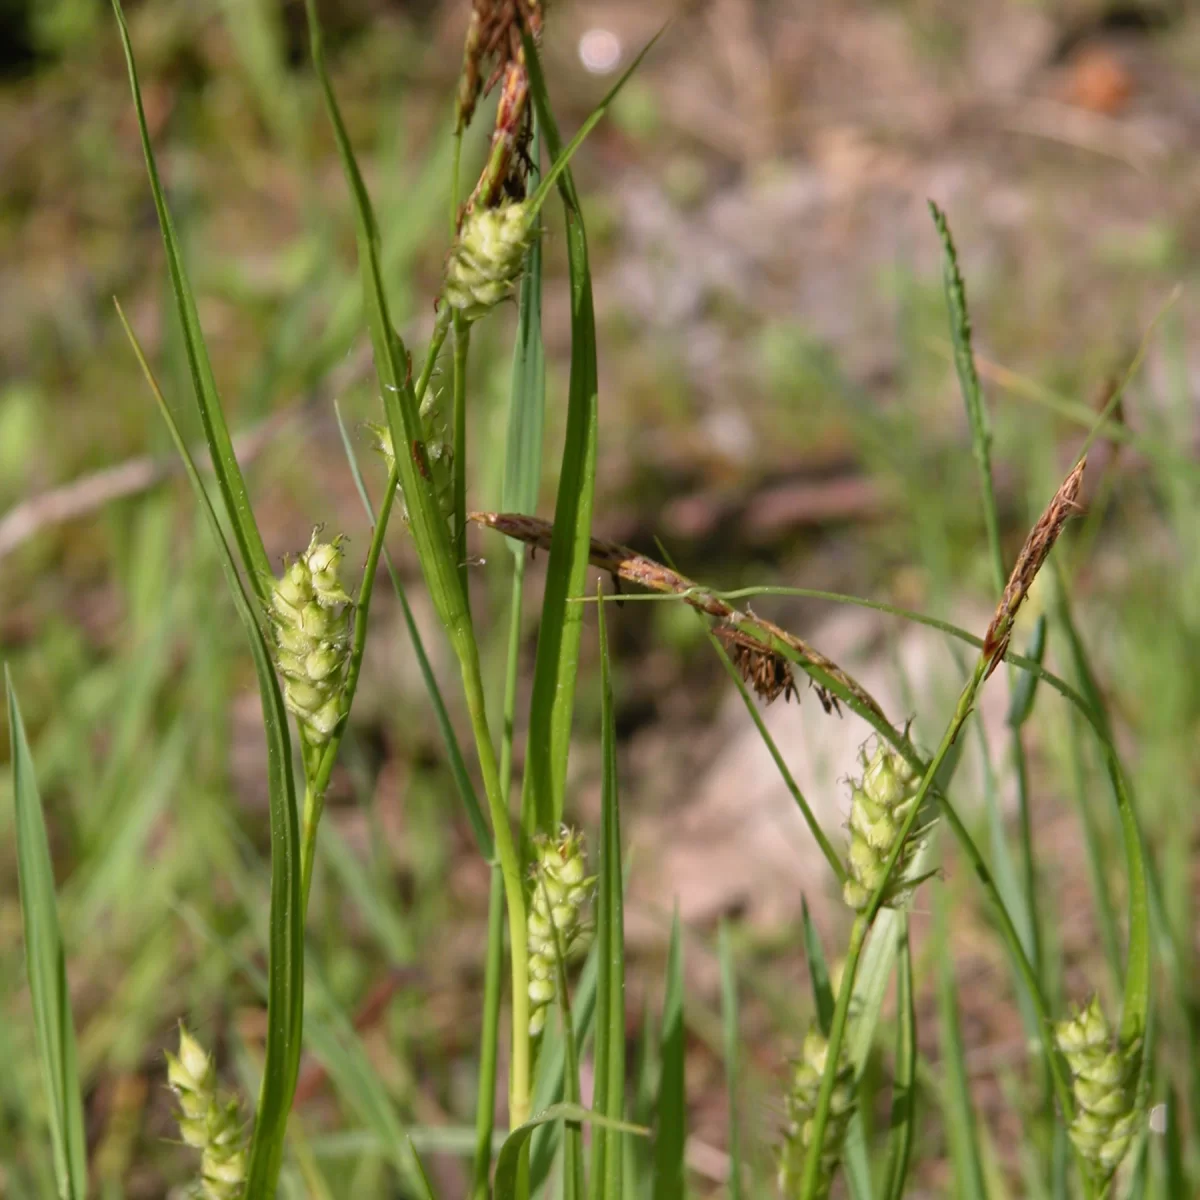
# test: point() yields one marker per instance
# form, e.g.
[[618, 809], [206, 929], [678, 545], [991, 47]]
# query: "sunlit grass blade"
[[553, 1061], [1136, 1006], [232, 487], [507, 1164], [527, 405], [489, 1040], [671, 1109], [457, 763], [285, 956], [902, 1124], [46, 967], [957, 1106], [605, 1181], [818, 969], [561, 625], [730, 1026]]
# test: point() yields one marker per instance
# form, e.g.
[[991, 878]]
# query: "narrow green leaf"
[[956, 1104], [489, 1041], [523, 453], [1136, 1007], [46, 967], [285, 951], [232, 487], [552, 1062], [671, 1109], [1025, 688], [423, 1181], [1173, 1168], [904, 1076], [393, 367], [818, 969], [458, 765], [609, 1087], [732, 1036], [510, 1153], [561, 625]]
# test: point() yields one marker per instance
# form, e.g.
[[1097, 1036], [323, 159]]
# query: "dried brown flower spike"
[[765, 670], [1033, 554]]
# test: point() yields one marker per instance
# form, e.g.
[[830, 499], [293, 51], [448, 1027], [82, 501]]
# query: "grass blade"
[[671, 1108], [818, 969], [956, 1105], [485, 1100], [285, 954], [904, 1076], [523, 453], [45, 964], [231, 486], [607, 1157], [729, 1025], [561, 625], [458, 764], [507, 1163]]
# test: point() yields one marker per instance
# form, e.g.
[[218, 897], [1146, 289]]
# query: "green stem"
[[485, 1103], [514, 895], [510, 680], [462, 345], [318, 769]]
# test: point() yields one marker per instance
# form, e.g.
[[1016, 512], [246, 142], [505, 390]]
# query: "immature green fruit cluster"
[[1102, 1078], [801, 1105], [207, 1122], [561, 891], [310, 613], [880, 803], [487, 258]]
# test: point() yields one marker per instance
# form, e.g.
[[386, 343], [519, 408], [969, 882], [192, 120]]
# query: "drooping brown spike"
[[1038, 545]]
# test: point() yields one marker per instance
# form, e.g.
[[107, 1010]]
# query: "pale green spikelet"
[[880, 802], [487, 257], [560, 894], [310, 615], [801, 1105], [1103, 1076], [208, 1122]]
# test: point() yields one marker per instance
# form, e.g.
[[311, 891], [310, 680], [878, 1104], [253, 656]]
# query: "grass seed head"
[[208, 1122], [488, 256], [880, 802], [310, 616], [1103, 1075], [555, 923], [800, 1106]]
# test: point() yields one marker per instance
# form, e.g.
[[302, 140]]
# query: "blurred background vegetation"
[[778, 407]]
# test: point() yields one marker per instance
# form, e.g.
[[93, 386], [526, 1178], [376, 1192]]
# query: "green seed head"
[[487, 257], [208, 1122], [1103, 1075], [880, 803], [800, 1106], [555, 923]]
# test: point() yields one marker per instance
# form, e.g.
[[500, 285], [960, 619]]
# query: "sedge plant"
[[556, 896]]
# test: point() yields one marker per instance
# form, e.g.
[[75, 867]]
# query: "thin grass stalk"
[[485, 1100], [462, 347], [981, 442]]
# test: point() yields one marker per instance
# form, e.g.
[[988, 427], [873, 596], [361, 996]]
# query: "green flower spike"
[[486, 260], [880, 803], [561, 892], [310, 615], [1102, 1080], [207, 1122], [801, 1104]]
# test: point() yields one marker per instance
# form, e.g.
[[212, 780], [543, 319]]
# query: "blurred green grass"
[[132, 679]]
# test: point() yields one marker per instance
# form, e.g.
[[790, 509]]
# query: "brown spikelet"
[[1029, 562], [762, 638], [765, 670]]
